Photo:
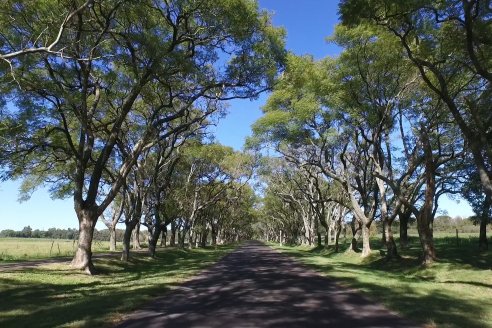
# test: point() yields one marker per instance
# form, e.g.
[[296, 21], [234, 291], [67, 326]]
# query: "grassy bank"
[[455, 292], [54, 296], [22, 249]]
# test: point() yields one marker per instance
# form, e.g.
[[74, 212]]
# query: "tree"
[[125, 62], [449, 43]]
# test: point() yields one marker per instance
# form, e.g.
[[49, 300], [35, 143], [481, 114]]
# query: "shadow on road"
[[256, 286]]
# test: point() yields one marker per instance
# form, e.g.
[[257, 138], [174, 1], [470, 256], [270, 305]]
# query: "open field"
[[21, 249], [455, 292], [54, 295]]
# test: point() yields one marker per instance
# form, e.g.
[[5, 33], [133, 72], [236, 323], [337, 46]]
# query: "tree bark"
[[82, 259], [356, 231], [181, 238], [172, 239], [136, 237], [203, 239], [154, 237], [483, 243], [214, 236], [404, 216], [427, 242], [391, 250], [129, 227], [337, 235], [425, 218], [164, 237], [366, 245], [112, 238]]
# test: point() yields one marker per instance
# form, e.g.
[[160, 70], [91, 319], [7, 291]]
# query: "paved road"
[[256, 286]]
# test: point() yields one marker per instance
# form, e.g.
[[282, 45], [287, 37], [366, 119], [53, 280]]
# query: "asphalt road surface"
[[256, 286]]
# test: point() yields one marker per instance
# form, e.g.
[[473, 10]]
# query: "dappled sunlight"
[[255, 286], [63, 296], [446, 293]]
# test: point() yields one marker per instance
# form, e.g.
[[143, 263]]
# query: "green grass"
[[454, 292], [22, 249], [55, 296]]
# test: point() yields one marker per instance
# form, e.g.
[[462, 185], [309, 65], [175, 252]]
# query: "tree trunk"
[[391, 250], [404, 218], [172, 239], [337, 235], [319, 239], [82, 259], [136, 237], [366, 245], [125, 254], [112, 238], [425, 216], [154, 237], [214, 236], [383, 233], [203, 239], [483, 243], [356, 231], [181, 238], [164, 237], [427, 242], [129, 229]]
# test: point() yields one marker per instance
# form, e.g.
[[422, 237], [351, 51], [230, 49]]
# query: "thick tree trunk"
[[181, 238], [112, 239], [424, 217], [82, 259], [319, 239], [129, 229], [203, 239], [172, 239], [391, 250], [125, 254], [164, 237], [366, 245], [214, 236], [154, 237], [337, 236], [427, 242], [356, 231], [483, 243], [383, 233], [404, 218], [136, 237]]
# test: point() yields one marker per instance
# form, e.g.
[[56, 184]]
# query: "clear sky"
[[307, 23]]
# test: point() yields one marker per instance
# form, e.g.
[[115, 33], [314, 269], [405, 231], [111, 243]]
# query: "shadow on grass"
[[53, 296], [407, 287]]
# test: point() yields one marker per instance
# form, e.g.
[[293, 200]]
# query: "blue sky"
[[307, 22]]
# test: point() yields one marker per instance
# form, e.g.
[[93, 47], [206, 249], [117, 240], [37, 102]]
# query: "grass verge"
[[454, 292], [55, 296]]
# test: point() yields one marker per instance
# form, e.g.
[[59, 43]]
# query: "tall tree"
[[125, 62]]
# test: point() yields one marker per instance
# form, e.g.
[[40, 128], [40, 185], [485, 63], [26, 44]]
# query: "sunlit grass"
[[21, 249], [54, 295], [454, 292]]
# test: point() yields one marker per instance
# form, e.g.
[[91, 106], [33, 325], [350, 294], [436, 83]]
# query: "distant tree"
[[7, 233], [26, 232]]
